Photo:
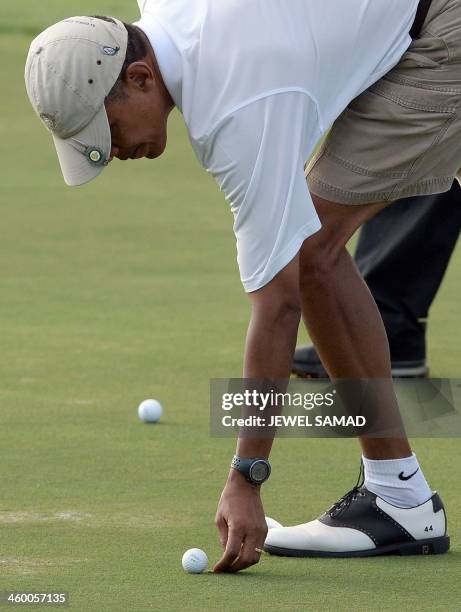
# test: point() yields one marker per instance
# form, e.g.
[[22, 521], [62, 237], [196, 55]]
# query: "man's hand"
[[241, 524]]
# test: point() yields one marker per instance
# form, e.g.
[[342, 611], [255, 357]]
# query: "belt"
[[421, 14]]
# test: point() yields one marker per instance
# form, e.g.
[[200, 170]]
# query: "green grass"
[[126, 289]]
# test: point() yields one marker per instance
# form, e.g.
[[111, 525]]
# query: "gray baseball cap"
[[70, 69]]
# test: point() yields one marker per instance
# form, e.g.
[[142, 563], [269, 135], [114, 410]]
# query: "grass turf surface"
[[127, 289]]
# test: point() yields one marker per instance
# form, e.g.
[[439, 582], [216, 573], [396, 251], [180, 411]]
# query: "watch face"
[[259, 471]]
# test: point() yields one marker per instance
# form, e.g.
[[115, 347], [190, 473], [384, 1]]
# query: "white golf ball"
[[271, 523], [194, 561], [150, 411]]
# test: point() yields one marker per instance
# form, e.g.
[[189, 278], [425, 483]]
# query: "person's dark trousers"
[[403, 254]]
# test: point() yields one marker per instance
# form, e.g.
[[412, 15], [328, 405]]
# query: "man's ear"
[[138, 73]]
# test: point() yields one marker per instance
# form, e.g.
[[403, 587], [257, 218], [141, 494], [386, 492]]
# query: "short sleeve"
[[257, 157]]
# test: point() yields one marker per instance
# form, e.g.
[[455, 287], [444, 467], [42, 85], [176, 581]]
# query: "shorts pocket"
[[428, 51], [389, 129]]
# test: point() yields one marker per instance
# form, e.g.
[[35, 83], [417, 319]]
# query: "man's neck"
[[151, 58], [166, 58]]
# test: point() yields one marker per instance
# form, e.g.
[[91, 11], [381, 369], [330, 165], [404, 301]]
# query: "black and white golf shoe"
[[361, 524]]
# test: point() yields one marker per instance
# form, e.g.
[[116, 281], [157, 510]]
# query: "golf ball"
[[150, 411], [271, 523], [194, 561]]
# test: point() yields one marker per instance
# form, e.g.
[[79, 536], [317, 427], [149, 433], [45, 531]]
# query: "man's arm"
[[257, 157], [270, 344]]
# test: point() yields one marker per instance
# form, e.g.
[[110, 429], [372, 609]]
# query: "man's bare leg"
[[340, 313], [347, 330]]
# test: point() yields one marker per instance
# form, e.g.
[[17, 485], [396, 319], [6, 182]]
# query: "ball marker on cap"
[[95, 156]]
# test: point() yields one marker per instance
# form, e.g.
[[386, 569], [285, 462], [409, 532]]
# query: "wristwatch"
[[256, 470]]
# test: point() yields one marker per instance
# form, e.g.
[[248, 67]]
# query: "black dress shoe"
[[307, 364]]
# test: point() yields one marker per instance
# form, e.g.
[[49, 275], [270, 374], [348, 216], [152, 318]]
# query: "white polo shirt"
[[258, 82]]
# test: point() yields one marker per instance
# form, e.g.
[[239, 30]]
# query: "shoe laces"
[[342, 504]]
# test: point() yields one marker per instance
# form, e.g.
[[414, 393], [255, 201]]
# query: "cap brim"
[[76, 167]]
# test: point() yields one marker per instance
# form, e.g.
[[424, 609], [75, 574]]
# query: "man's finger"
[[221, 525], [231, 553], [249, 555]]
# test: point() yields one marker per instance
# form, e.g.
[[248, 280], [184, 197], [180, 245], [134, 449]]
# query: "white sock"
[[389, 480]]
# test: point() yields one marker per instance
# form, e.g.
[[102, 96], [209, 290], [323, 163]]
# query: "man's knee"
[[318, 258], [321, 252]]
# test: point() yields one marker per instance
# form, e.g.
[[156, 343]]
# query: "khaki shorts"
[[402, 136]]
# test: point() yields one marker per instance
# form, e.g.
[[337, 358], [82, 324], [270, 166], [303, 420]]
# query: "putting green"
[[127, 289]]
